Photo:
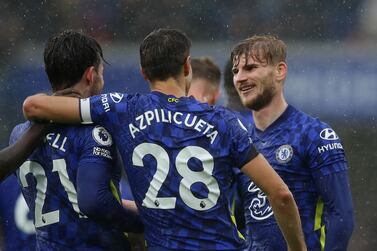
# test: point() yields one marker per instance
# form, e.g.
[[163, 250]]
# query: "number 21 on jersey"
[[59, 165]]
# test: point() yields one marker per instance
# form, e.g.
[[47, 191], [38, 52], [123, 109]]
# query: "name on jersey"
[[116, 97], [179, 118], [56, 140], [105, 102]]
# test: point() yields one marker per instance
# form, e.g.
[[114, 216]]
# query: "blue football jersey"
[[300, 149], [178, 156], [48, 183], [16, 222]]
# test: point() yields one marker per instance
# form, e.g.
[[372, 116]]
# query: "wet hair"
[[67, 55], [265, 49], [206, 68], [163, 53]]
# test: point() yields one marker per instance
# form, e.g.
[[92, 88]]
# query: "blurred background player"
[[305, 152], [16, 224], [205, 84], [178, 153], [205, 87], [70, 182]]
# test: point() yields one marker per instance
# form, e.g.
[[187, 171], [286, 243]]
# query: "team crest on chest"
[[284, 154]]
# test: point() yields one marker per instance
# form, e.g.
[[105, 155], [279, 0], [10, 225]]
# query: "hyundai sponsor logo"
[[116, 97], [328, 134], [329, 147]]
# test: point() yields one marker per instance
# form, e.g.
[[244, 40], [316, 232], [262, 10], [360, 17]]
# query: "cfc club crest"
[[101, 136], [284, 154]]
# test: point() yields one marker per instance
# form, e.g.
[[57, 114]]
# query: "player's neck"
[[83, 89], [267, 115], [171, 86]]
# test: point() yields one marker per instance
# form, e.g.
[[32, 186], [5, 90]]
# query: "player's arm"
[[336, 195], [97, 201], [58, 109], [280, 198], [237, 201], [97, 184], [130, 205], [330, 175], [14, 155]]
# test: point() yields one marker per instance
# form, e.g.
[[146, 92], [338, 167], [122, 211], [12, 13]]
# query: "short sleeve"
[[104, 109], [242, 148], [97, 146]]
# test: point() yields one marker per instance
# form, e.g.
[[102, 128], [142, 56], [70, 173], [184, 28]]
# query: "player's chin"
[[245, 102], [250, 103], [247, 99]]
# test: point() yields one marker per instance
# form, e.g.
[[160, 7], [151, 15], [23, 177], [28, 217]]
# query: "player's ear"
[[187, 66], [143, 73], [89, 74], [216, 96], [281, 71]]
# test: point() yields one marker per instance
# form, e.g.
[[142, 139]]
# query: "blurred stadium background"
[[332, 59]]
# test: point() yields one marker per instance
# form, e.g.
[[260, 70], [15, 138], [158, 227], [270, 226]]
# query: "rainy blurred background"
[[332, 59]]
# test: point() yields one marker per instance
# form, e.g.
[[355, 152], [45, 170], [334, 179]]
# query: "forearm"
[[52, 108], [336, 195], [339, 231], [107, 211], [287, 216], [130, 205], [281, 200], [97, 201], [14, 155]]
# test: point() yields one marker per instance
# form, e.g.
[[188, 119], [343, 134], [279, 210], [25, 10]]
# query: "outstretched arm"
[[14, 155], [280, 198], [58, 109]]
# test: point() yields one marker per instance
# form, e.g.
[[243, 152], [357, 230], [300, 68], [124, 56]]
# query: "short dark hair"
[[206, 68], [266, 49], [163, 53], [67, 55]]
